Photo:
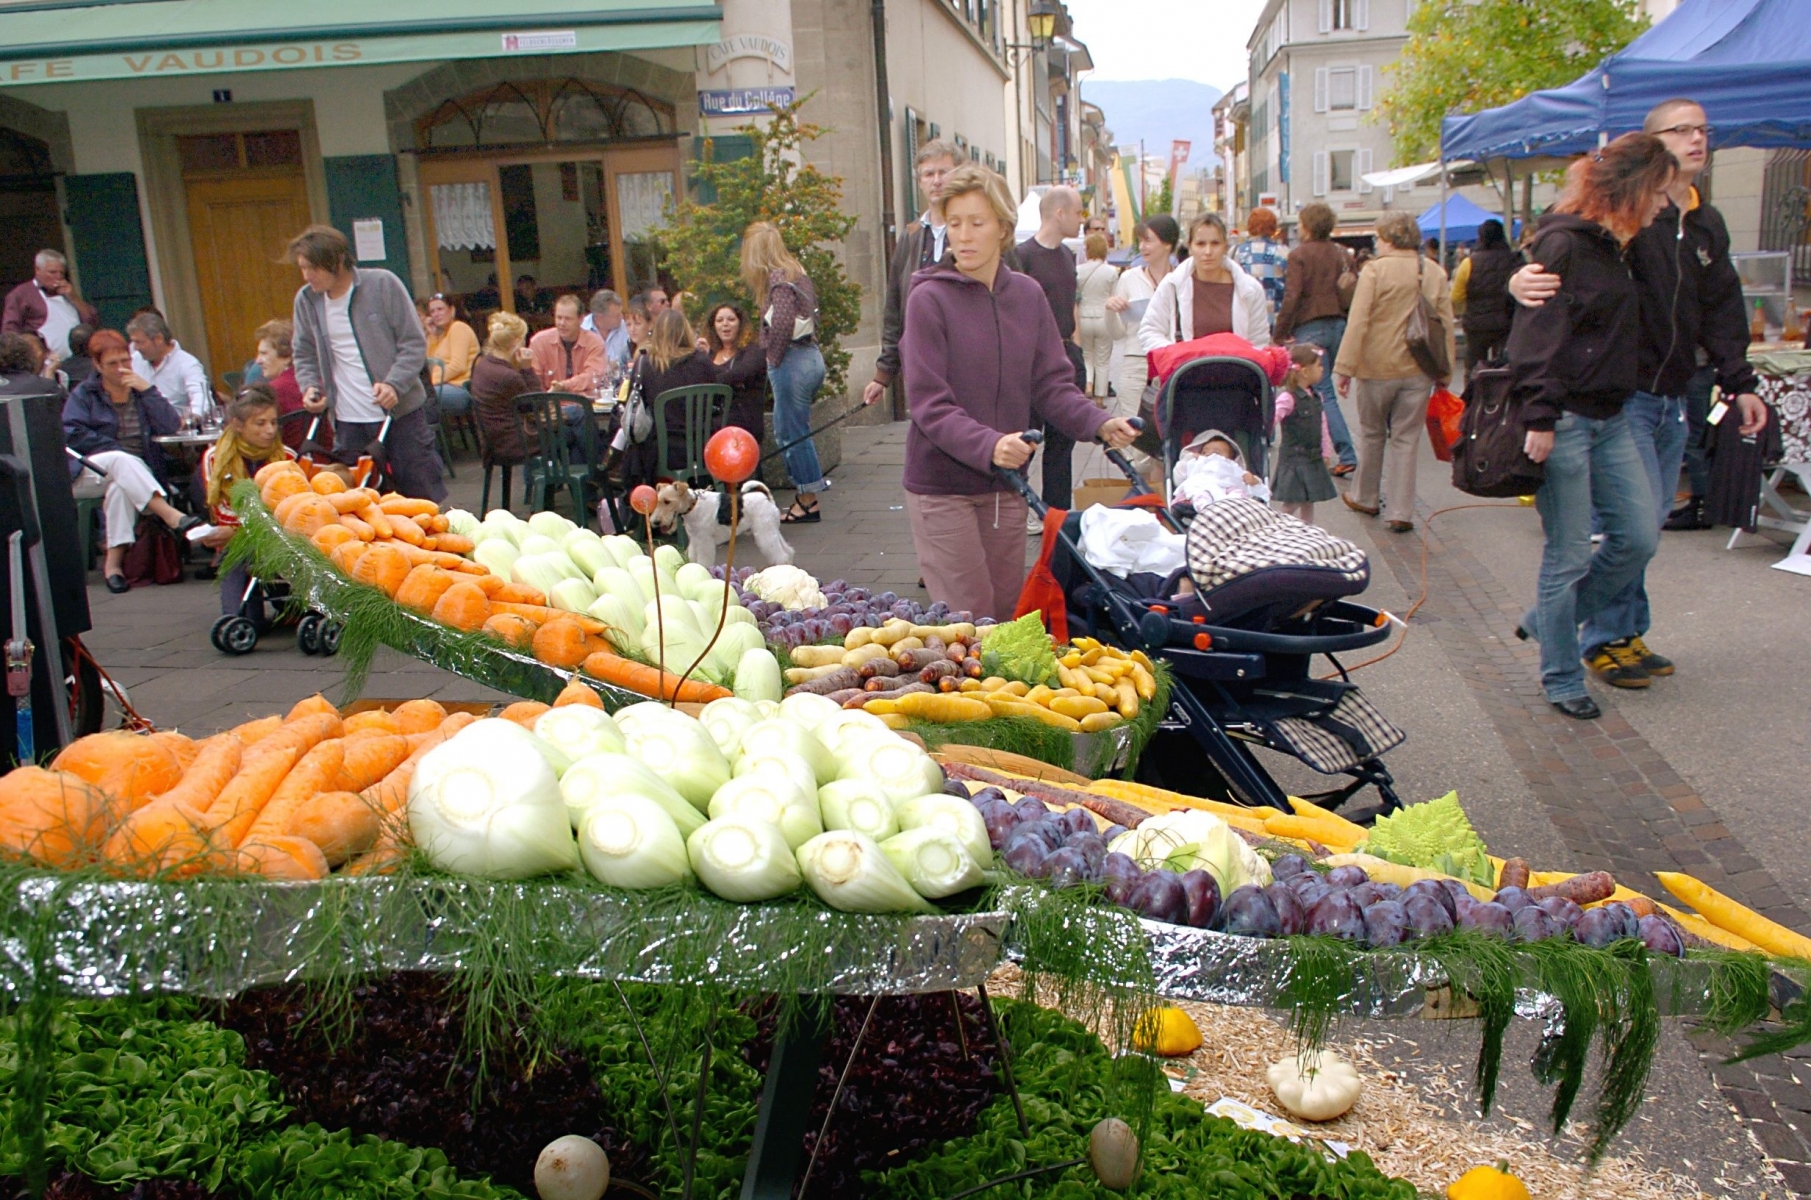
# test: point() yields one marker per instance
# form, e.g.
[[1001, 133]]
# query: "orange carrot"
[[266, 472], [245, 796], [418, 716], [53, 816], [254, 731], [316, 703], [438, 523], [405, 530], [313, 774], [164, 835], [577, 693], [369, 759], [360, 529], [217, 763], [524, 713], [540, 614], [454, 543], [280, 857], [342, 824], [521, 593], [377, 519], [390, 793], [649, 681], [373, 719], [490, 585], [408, 506], [185, 748]]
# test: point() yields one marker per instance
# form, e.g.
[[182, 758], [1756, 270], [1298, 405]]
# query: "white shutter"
[[1320, 89], [1361, 15], [1326, 22], [1361, 166], [1320, 172], [1364, 86]]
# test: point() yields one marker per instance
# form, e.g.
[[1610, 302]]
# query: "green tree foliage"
[[1163, 200], [1466, 55], [703, 242]]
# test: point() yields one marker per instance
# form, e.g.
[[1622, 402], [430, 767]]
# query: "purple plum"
[[1161, 897], [1432, 890], [1066, 867], [1532, 924], [1029, 807], [1203, 892], [1598, 927], [1662, 936], [1566, 912], [1628, 922], [1248, 912], [1428, 916], [1026, 855], [1078, 820], [1490, 917], [1093, 849], [1513, 898], [1119, 873], [1386, 924], [1337, 915], [1347, 877], [1368, 893], [1287, 865], [1292, 914]]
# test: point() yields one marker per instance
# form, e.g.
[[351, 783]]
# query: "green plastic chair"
[[702, 408], [549, 467]]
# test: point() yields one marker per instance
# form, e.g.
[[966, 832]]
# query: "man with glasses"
[[1098, 224], [1691, 302], [919, 246]]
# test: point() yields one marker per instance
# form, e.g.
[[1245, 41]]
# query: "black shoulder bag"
[[1489, 459]]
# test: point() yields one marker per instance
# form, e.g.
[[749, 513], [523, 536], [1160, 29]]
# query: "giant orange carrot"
[[247, 793], [212, 769], [253, 732], [649, 681], [165, 835], [369, 759], [316, 703], [342, 824], [313, 774], [283, 858]]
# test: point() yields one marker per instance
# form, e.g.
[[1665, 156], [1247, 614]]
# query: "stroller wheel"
[[308, 634], [235, 635], [330, 637]]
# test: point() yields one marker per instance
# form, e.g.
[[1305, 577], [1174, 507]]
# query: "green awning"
[[49, 41]]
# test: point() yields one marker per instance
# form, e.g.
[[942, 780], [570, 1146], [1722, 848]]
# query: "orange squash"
[[463, 606], [382, 567], [282, 486], [418, 716], [327, 483], [561, 643], [53, 816], [514, 630]]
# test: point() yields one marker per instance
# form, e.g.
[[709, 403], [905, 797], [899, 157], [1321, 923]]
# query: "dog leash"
[[826, 425]]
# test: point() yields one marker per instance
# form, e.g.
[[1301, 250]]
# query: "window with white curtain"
[[462, 216]]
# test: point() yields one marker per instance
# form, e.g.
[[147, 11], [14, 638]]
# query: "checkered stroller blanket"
[[1231, 539]]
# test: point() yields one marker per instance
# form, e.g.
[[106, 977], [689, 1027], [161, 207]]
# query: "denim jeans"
[[1697, 421], [455, 401], [795, 385], [1595, 466], [1658, 426], [1327, 333]]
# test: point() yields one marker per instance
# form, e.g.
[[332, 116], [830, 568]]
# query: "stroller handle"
[[1016, 477]]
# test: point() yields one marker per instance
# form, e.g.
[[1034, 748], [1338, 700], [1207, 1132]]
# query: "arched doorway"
[[29, 220], [536, 188]]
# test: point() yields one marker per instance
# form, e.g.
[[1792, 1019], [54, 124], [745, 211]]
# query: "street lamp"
[[1042, 20]]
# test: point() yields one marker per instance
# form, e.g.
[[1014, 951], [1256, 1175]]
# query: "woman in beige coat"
[[1375, 369]]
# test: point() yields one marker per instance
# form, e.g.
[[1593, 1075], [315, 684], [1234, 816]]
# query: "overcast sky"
[[1167, 39]]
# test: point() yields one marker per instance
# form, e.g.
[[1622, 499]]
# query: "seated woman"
[[741, 364], [276, 371], [504, 371], [452, 342], [112, 419], [670, 361], [248, 443]]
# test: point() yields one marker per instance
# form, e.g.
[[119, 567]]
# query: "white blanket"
[[1127, 540]]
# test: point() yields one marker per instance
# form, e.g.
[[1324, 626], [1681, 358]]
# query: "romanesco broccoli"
[[1019, 650], [1435, 835]]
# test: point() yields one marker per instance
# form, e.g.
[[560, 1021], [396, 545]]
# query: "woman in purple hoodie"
[[980, 356]]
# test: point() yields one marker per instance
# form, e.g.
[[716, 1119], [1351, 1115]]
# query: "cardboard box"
[[1100, 491]]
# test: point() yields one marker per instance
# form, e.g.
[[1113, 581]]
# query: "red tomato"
[[732, 454]]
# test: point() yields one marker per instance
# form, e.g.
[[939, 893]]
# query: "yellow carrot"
[[1355, 832], [1309, 829], [1728, 915], [1159, 800]]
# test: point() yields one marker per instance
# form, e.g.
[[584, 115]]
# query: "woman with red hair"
[[1574, 362], [1264, 258]]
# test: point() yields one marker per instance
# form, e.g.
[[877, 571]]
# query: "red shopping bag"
[[1443, 412]]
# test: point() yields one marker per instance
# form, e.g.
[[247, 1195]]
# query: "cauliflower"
[[789, 587], [1435, 835], [1189, 838]]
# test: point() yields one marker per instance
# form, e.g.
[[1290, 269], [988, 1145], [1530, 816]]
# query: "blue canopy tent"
[[1459, 218], [1748, 62]]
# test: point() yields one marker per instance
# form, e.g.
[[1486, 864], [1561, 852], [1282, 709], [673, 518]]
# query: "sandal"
[[798, 514]]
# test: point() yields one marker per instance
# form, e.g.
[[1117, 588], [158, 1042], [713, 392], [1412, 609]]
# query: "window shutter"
[[1326, 22], [1320, 172], [108, 243], [1361, 15], [364, 186], [1320, 89], [1364, 87], [1361, 166]]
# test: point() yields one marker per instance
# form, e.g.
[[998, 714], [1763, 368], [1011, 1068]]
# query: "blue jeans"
[[455, 401], [1595, 466], [1697, 416], [795, 385], [1658, 425], [1327, 333]]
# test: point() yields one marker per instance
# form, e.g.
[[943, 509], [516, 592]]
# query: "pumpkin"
[[1314, 1087], [1168, 1032], [1113, 1153], [1487, 1183], [382, 567]]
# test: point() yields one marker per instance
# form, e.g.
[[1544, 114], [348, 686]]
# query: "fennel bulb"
[[794, 740], [726, 719], [857, 804], [901, 768], [577, 730], [586, 550], [847, 723], [573, 595], [758, 675], [849, 872], [754, 759], [612, 580], [682, 753], [628, 841], [486, 802], [597, 777], [668, 558], [954, 816], [621, 547], [808, 710], [772, 798], [695, 582], [624, 623], [932, 860], [551, 525], [497, 554], [742, 859], [461, 522], [539, 543]]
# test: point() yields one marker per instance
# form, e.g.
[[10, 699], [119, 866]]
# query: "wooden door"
[[239, 224]]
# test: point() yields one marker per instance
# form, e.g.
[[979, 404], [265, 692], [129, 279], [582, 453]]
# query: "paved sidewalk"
[[1703, 772]]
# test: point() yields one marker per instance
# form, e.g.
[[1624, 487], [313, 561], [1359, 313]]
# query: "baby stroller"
[[1240, 651], [266, 603]]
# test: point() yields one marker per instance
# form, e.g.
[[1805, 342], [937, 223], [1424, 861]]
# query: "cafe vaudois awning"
[[47, 41]]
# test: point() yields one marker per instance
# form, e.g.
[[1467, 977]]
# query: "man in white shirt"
[[173, 371], [47, 305], [606, 320]]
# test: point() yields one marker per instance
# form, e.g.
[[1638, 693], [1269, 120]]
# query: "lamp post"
[[1041, 24]]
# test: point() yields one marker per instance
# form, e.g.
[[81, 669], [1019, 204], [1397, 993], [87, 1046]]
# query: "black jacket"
[[1580, 351], [1487, 302], [1691, 298]]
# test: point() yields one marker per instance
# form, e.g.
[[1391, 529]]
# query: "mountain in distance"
[[1159, 111]]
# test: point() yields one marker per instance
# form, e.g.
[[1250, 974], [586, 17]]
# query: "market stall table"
[[1785, 385]]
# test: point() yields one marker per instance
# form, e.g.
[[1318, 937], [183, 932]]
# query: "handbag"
[[154, 555], [1426, 332], [802, 327], [1347, 284], [638, 419], [1444, 411], [1489, 459]]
